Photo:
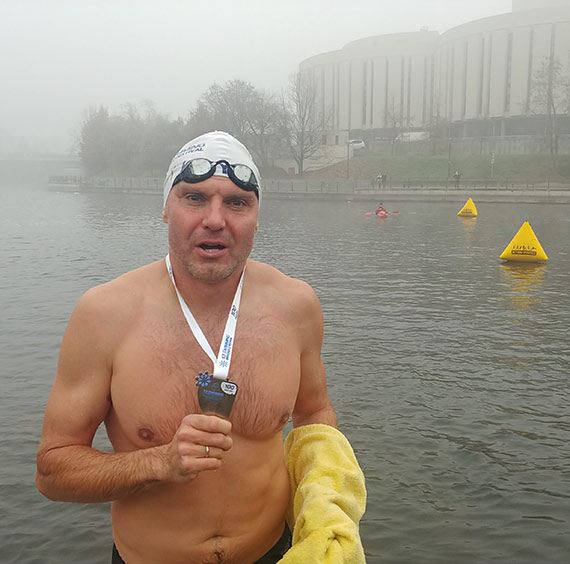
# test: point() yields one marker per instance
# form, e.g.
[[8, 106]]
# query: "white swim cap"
[[214, 146]]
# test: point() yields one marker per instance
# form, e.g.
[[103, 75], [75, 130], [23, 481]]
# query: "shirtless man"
[[189, 486]]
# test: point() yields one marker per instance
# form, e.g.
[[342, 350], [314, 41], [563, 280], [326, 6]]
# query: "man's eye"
[[193, 197], [237, 203]]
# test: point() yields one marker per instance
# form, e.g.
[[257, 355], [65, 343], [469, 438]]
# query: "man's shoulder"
[[274, 281], [266, 273], [124, 291]]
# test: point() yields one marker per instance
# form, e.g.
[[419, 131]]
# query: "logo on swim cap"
[[195, 148]]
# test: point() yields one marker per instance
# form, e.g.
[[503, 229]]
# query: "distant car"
[[410, 136], [357, 144]]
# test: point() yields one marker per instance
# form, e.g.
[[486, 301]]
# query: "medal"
[[215, 395]]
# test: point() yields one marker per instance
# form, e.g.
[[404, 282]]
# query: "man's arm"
[[68, 468], [313, 404]]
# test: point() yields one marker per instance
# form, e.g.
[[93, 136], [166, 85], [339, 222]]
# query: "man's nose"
[[214, 217]]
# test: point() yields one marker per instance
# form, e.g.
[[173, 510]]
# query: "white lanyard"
[[222, 362]]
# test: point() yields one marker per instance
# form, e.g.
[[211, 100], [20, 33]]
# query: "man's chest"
[[156, 369]]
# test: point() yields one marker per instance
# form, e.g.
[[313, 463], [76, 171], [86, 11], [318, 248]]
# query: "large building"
[[482, 79]]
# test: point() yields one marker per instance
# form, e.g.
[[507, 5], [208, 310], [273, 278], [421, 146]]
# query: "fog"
[[59, 57]]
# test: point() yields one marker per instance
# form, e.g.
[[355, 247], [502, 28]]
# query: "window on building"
[[364, 88], [529, 75], [508, 73], [481, 77], [371, 92], [464, 78]]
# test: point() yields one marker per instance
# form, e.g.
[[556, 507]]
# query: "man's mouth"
[[211, 248]]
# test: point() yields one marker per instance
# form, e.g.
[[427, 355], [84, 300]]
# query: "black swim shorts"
[[272, 556]]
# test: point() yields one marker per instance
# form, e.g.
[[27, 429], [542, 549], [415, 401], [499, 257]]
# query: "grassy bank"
[[513, 168]]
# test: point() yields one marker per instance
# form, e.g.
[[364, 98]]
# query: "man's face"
[[211, 227]]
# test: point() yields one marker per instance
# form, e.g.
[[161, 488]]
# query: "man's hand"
[[199, 444]]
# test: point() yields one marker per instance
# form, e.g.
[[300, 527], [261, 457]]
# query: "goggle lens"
[[198, 167], [244, 173]]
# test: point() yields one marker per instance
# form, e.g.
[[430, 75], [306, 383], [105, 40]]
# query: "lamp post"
[[448, 157], [448, 151], [347, 151]]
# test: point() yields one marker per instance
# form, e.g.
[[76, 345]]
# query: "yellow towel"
[[328, 497]]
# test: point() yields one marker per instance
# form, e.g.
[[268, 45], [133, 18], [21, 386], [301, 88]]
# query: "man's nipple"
[[146, 434]]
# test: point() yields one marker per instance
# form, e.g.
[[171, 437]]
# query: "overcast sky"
[[59, 57]]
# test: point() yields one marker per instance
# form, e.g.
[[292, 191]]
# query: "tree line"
[[138, 141], [290, 125]]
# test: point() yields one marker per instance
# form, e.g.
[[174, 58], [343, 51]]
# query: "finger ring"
[[207, 451]]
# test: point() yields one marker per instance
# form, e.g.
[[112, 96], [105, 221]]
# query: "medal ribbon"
[[222, 361]]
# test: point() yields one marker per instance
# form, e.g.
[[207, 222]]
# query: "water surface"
[[448, 368]]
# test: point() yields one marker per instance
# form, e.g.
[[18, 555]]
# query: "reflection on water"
[[469, 224], [525, 279]]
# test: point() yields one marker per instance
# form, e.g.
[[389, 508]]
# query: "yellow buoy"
[[524, 247], [468, 210]]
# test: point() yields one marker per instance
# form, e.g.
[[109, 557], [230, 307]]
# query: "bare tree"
[[394, 120], [262, 120], [239, 108], [94, 140], [128, 143], [202, 120], [550, 96], [438, 126], [228, 105], [304, 122]]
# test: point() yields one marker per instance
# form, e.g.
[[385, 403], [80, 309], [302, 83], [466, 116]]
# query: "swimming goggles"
[[198, 170]]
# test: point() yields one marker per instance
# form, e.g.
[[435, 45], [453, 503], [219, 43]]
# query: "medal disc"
[[215, 395]]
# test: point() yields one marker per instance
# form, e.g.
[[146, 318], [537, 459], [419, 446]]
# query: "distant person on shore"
[[456, 177], [195, 399], [381, 181]]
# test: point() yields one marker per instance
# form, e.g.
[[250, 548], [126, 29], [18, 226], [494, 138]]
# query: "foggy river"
[[449, 370]]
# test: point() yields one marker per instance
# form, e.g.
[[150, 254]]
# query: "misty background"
[[58, 58]]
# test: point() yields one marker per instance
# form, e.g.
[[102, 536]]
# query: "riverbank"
[[436, 195], [352, 190]]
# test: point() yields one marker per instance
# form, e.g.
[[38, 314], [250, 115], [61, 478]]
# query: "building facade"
[[475, 80]]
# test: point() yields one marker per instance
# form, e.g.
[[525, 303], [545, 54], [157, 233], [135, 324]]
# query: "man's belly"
[[233, 515]]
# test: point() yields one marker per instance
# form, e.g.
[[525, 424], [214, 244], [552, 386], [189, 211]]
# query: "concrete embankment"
[[436, 195], [353, 190]]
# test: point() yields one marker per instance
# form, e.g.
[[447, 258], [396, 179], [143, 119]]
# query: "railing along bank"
[[340, 186]]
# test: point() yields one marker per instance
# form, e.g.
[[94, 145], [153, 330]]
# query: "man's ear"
[[165, 214]]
